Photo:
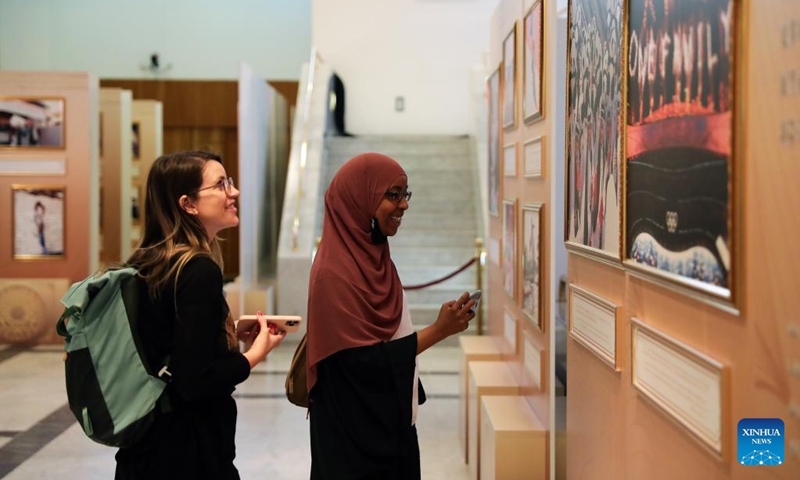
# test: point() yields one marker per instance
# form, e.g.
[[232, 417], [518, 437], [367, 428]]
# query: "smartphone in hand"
[[287, 323], [476, 295]]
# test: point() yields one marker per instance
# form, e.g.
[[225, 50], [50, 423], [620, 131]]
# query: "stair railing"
[[480, 259]]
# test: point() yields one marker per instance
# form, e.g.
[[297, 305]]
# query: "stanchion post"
[[480, 257]]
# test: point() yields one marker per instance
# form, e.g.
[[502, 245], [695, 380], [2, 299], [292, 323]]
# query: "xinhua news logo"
[[761, 442]]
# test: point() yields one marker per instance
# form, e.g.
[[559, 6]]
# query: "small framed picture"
[[531, 262], [532, 153], [510, 160], [510, 247], [533, 64], [510, 78], [493, 86], [137, 204], [39, 227], [135, 143], [32, 122]]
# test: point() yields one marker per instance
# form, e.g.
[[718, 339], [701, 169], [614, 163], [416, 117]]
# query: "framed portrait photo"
[[510, 247], [135, 141], [594, 117], [531, 262], [679, 217], [32, 122], [493, 94], [533, 63], [39, 227], [510, 78]]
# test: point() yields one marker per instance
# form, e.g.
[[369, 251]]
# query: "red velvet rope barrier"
[[448, 277]]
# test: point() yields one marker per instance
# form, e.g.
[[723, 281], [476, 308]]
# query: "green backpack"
[[112, 391]]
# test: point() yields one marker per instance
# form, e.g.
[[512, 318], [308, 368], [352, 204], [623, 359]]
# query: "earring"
[[373, 223]]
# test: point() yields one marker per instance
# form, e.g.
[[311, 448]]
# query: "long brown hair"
[[170, 231]]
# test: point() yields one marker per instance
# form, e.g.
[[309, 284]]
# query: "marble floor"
[[39, 437]]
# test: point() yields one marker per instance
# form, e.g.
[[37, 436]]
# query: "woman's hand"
[[454, 317], [267, 338]]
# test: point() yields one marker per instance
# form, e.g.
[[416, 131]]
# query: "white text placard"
[[510, 330], [533, 362], [593, 323]]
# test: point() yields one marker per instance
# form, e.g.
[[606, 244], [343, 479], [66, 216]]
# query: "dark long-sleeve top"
[[187, 324]]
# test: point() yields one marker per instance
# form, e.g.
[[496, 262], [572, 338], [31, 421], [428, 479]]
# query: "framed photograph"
[[510, 160], [510, 247], [510, 78], [532, 153], [493, 85], [679, 218], [32, 122], [533, 63], [135, 141], [594, 117], [39, 228], [531, 262]]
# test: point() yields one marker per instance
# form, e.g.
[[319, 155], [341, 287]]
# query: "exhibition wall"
[[197, 40], [681, 214], [49, 196]]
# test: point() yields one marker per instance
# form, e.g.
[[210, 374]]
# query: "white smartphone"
[[287, 323], [476, 295]]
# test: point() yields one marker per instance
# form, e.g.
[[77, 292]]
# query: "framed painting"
[[510, 78], [493, 86], [32, 122], [39, 227], [510, 248], [510, 160], [135, 141], [679, 127], [593, 134], [533, 63], [137, 203], [531, 262]]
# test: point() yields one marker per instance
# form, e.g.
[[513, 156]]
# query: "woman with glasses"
[[185, 320], [362, 348]]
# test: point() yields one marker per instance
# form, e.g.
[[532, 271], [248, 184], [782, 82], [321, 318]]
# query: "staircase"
[[440, 227]]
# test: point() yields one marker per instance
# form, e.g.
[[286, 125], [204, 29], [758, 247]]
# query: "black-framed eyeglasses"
[[226, 185], [397, 196]]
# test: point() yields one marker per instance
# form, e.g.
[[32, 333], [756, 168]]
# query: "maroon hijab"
[[354, 297]]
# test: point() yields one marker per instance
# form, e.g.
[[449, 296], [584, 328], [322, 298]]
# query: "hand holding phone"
[[476, 296], [286, 323]]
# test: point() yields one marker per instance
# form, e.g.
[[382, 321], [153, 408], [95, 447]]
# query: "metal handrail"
[[303, 147]]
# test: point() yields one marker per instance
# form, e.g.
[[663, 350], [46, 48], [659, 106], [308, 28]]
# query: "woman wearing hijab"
[[362, 348]]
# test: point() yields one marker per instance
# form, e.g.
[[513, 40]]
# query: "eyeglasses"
[[226, 185], [398, 197]]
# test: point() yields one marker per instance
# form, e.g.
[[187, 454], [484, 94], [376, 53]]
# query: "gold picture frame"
[[530, 263], [510, 72], [593, 193], [533, 63], [509, 248], [707, 419], [39, 228], [33, 123], [493, 95]]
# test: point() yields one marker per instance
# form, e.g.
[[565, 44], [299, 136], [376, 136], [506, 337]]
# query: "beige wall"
[[115, 174], [30, 289], [613, 431]]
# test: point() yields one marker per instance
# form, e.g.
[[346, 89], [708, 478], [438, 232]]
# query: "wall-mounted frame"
[[493, 86], [38, 222], [137, 202], [510, 160], [510, 78], [533, 63], [136, 146], [686, 385], [510, 330], [532, 360], [593, 323], [593, 134], [532, 152], [509, 266], [28, 122], [531, 263], [680, 143]]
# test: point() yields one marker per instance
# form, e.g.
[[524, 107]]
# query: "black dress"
[[360, 415], [195, 440]]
